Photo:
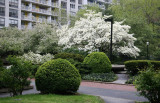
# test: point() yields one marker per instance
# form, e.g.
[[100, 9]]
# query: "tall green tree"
[[143, 16]]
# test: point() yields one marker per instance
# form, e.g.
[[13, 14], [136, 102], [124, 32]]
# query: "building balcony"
[[27, 0], [54, 22], [23, 27], [41, 2], [26, 18], [34, 19], [55, 13], [27, 8], [42, 11], [91, 3], [64, 0], [55, 4]]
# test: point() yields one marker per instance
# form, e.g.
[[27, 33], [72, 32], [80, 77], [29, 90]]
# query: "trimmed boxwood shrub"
[[77, 57], [98, 62], [57, 76], [133, 66]]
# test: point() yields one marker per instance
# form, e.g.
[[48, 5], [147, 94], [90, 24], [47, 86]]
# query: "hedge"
[[77, 57], [134, 66]]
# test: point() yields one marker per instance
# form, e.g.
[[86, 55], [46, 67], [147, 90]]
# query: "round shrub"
[[57, 76], [98, 62]]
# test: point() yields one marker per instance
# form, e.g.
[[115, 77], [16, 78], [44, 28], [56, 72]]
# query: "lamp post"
[[147, 50], [111, 20]]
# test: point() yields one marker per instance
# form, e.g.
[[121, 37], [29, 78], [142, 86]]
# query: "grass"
[[52, 98]]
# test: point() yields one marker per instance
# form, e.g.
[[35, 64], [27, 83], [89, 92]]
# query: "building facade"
[[26, 13]]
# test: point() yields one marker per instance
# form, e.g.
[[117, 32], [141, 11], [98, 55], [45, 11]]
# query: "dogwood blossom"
[[37, 58], [92, 32]]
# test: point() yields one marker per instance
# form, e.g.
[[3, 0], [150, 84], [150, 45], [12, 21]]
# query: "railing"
[[55, 4], [25, 18], [40, 1], [54, 21], [41, 11], [25, 7], [23, 27], [55, 13], [34, 18], [26, 0]]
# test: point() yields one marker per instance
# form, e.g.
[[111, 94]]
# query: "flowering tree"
[[41, 39], [92, 33], [11, 41]]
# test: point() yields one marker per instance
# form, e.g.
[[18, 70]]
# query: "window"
[[2, 2], [2, 21], [2, 11], [13, 13], [13, 3], [13, 23], [79, 1], [72, 6], [64, 5], [79, 7], [73, 1]]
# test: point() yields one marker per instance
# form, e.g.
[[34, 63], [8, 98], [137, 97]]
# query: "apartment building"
[[26, 13]]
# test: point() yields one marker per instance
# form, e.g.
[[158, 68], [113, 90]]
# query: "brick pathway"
[[109, 86]]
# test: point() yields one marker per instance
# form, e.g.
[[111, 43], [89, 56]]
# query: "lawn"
[[38, 98]]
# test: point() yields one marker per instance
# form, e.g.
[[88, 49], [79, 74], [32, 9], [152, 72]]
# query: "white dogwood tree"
[[92, 33]]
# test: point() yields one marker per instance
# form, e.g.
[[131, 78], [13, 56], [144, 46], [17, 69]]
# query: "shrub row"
[[77, 57], [134, 66]]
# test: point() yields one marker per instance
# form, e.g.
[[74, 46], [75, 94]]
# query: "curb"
[[106, 82]]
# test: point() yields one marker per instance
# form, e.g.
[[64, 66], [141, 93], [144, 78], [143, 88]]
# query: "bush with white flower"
[[92, 33], [41, 39], [11, 41], [37, 58]]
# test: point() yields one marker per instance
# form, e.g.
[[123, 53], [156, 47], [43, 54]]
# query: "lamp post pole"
[[147, 50], [111, 20]]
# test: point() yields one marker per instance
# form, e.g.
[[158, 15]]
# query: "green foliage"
[[130, 80], [41, 39], [2, 85], [11, 41], [133, 66], [77, 57], [98, 62], [15, 78], [1, 63], [148, 84], [143, 16], [57, 76], [81, 12], [75, 51], [105, 77]]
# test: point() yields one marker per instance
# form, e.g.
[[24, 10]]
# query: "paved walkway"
[[111, 93], [122, 78]]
